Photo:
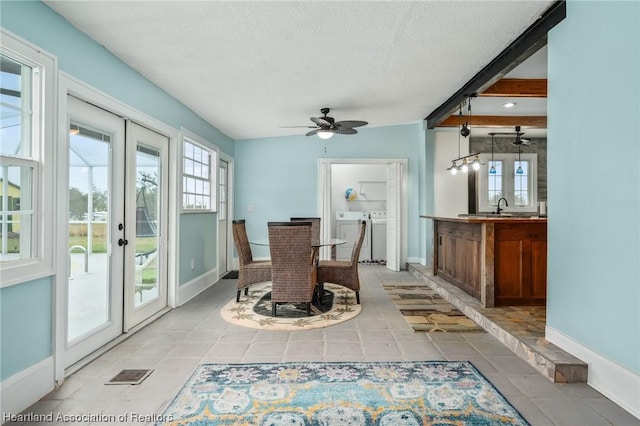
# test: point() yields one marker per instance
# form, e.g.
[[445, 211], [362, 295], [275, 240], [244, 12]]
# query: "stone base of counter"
[[551, 361]]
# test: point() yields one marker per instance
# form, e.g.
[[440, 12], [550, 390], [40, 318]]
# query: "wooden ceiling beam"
[[498, 121], [517, 52], [517, 88]]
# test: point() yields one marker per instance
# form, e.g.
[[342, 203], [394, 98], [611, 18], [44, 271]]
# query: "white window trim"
[[41, 264], [508, 160], [213, 170]]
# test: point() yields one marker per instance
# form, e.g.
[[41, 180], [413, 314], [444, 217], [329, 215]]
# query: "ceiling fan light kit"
[[325, 126]]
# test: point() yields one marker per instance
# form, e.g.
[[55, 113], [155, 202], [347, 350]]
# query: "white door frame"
[[141, 135], [232, 263], [87, 115], [69, 85], [324, 198]]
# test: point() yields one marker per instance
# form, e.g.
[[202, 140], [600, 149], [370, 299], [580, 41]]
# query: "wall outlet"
[[193, 264]]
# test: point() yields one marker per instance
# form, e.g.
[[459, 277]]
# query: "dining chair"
[[250, 271], [315, 225], [293, 268], [344, 272]]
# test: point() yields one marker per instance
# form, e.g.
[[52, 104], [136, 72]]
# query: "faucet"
[[506, 204]]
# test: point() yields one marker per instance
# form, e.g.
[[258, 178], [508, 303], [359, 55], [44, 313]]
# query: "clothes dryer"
[[379, 237], [347, 229]]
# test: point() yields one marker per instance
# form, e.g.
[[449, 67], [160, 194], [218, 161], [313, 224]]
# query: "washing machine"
[[379, 237], [347, 229]]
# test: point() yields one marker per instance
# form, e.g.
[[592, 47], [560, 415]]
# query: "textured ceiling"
[[250, 67]]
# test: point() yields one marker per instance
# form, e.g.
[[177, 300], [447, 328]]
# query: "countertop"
[[489, 218]]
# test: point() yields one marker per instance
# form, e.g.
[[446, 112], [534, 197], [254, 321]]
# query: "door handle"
[[122, 242]]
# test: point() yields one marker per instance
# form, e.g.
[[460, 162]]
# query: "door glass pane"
[[147, 220], [494, 192], [89, 231]]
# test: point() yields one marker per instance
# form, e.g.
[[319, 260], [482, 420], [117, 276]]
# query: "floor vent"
[[129, 377]]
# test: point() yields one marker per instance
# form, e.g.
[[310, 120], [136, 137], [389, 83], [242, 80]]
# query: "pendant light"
[[471, 160], [492, 170], [519, 171]]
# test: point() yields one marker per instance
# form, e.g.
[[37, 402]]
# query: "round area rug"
[[254, 310]]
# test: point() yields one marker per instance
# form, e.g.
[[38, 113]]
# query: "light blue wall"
[[201, 245], [594, 183], [279, 176], [25, 325], [87, 61]]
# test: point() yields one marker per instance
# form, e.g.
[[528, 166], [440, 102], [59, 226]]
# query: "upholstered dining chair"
[[250, 271], [293, 269], [344, 272]]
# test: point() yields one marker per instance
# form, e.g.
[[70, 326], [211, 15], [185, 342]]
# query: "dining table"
[[315, 244]]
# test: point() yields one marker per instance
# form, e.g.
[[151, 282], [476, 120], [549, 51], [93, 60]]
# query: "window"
[[27, 96], [199, 172], [506, 177]]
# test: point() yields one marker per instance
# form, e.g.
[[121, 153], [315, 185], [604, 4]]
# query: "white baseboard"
[[417, 260], [610, 379], [25, 388], [196, 286]]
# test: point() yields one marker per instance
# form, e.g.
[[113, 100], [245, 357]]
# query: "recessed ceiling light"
[[509, 104]]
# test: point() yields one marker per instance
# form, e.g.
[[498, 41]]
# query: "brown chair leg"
[[246, 291], [308, 308], [273, 309], [238, 296], [358, 297]]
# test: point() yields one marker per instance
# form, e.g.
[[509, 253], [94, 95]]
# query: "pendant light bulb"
[[519, 171], [454, 168], [492, 170], [464, 167], [476, 163]]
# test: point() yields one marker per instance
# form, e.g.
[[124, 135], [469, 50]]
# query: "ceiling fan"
[[519, 140], [325, 126]]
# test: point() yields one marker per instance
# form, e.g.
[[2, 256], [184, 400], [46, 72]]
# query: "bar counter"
[[500, 260]]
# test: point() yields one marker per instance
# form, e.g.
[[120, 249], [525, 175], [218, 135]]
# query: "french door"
[[223, 223], [117, 274]]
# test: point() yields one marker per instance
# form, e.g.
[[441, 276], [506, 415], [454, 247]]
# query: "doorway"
[[116, 227], [395, 202]]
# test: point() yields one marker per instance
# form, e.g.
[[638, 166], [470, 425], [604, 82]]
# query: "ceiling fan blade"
[[345, 130], [313, 132], [320, 121], [350, 123], [295, 127]]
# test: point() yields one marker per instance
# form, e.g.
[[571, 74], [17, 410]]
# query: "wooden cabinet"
[[501, 262], [459, 255], [520, 264]]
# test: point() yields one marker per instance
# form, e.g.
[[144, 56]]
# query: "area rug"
[[335, 394], [231, 275], [254, 310], [425, 310]]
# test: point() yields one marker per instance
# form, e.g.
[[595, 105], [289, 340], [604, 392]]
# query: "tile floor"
[[194, 333]]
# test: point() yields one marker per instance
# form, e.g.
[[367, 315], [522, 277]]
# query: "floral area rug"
[[425, 310], [254, 310], [335, 394]]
